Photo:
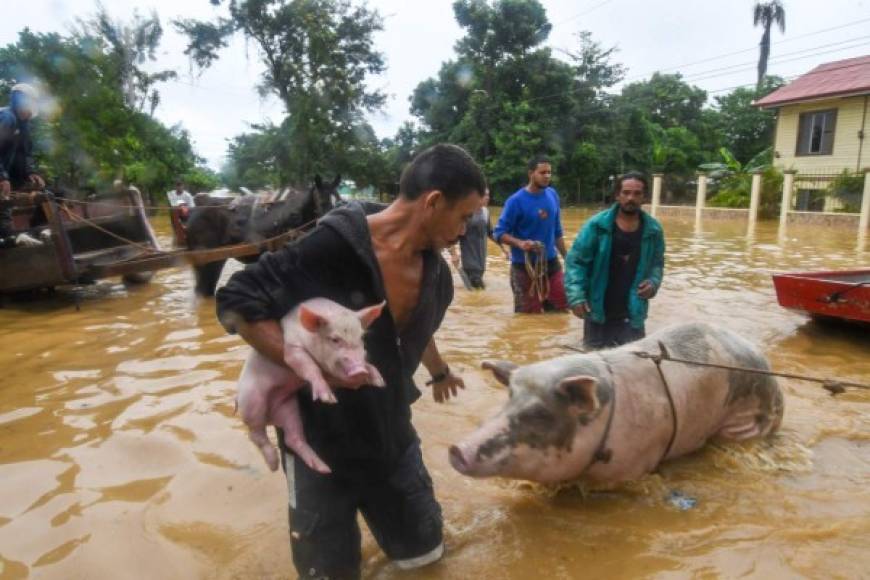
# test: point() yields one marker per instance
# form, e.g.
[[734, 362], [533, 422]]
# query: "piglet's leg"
[[286, 416], [252, 404], [305, 368], [375, 378], [258, 436]]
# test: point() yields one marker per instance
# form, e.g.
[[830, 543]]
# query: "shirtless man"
[[359, 255]]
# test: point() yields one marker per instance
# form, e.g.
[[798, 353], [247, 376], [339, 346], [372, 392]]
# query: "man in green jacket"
[[615, 266]]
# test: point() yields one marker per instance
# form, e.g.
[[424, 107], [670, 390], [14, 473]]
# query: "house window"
[[816, 132]]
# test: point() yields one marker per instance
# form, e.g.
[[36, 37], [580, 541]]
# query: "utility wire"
[[584, 13], [754, 48], [572, 91], [780, 59]]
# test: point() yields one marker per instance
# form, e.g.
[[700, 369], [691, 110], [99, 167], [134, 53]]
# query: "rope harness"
[[602, 453], [536, 269], [266, 244], [657, 359], [155, 208], [833, 386]]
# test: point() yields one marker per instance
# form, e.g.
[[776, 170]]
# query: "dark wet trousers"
[[597, 336], [400, 510], [526, 302], [475, 277]]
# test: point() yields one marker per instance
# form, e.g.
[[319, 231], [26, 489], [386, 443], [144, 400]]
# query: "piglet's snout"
[[354, 369]]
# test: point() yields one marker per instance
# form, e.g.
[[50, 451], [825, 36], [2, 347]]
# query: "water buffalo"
[[248, 220]]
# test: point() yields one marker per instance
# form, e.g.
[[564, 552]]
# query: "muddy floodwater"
[[120, 455]]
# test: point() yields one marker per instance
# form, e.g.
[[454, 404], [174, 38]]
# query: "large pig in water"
[[606, 417], [320, 336]]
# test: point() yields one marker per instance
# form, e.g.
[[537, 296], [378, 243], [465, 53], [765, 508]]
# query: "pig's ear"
[[370, 314], [502, 370], [309, 319], [579, 392]]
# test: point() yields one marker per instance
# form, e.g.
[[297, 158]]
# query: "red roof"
[[833, 79]]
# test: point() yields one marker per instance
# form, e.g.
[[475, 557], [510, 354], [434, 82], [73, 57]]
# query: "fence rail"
[[833, 195]]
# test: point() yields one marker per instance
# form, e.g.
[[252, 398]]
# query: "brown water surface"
[[120, 455]]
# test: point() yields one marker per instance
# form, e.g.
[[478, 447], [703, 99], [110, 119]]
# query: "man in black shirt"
[[615, 266], [360, 255]]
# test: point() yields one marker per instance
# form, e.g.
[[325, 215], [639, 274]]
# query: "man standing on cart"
[[17, 168]]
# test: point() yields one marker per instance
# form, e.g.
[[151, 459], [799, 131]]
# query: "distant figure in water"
[[181, 199], [472, 247]]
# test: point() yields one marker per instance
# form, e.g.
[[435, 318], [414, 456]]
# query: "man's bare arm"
[[525, 245], [450, 383], [432, 359], [266, 338]]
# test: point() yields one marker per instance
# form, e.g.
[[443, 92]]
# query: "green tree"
[[129, 46], [95, 132], [590, 153], [662, 125], [505, 97], [318, 55], [766, 14], [745, 129], [668, 101]]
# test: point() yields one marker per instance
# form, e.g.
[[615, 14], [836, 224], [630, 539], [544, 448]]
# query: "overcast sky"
[[666, 35]]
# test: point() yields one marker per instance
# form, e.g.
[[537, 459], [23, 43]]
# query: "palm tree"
[[767, 14]]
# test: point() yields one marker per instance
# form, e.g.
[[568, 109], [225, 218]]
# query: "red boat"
[[843, 294]]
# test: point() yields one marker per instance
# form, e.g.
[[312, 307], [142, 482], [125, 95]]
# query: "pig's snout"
[[457, 460]]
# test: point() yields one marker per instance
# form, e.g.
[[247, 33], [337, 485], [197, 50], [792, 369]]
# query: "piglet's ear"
[[501, 369], [370, 314], [309, 319], [579, 392]]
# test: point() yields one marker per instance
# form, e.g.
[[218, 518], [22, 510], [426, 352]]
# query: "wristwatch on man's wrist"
[[438, 377]]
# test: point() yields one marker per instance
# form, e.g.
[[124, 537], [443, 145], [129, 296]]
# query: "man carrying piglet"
[[359, 256]]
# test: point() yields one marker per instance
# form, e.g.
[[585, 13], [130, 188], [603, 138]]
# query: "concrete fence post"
[[656, 193], [864, 220], [702, 195], [787, 190], [754, 198]]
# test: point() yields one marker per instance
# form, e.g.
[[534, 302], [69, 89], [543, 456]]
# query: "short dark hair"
[[636, 175], [447, 168], [537, 160]]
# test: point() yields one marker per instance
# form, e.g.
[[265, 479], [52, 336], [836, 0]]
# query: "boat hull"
[[843, 294]]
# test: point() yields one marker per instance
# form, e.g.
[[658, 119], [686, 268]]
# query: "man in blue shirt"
[[531, 225]]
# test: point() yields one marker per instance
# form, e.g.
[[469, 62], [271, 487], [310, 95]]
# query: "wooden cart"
[[87, 239]]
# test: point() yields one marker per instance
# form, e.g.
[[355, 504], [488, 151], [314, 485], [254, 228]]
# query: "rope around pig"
[[834, 386]]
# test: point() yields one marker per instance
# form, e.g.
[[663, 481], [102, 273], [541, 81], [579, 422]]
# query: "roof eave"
[[825, 97]]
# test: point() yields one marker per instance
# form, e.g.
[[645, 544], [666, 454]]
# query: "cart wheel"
[[137, 278]]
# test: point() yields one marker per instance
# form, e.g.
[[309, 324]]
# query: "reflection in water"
[[121, 456]]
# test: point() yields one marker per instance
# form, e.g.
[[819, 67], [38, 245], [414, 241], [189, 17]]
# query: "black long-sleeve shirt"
[[363, 435]]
